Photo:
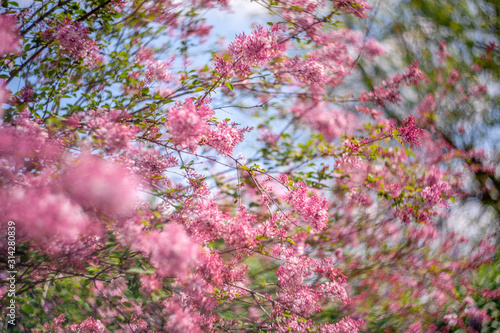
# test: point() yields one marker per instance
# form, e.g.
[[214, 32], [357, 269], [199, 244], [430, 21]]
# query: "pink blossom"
[[477, 90], [205, 221], [334, 290], [478, 315], [372, 49], [25, 95], [372, 112], [138, 325], [453, 77], [172, 251], [43, 214], [222, 65], [291, 13], [442, 53], [436, 191], [309, 71], [427, 106], [389, 90], [225, 137], [89, 325], [347, 36], [416, 327], [268, 136], [425, 234], [345, 325], [152, 164], [311, 209], [159, 71], [409, 132], [451, 319], [253, 50], [26, 143], [199, 29], [73, 41], [108, 130], [8, 35], [187, 123], [219, 272], [98, 184], [491, 294], [240, 231], [151, 283], [145, 56], [303, 301], [331, 123], [181, 320], [56, 323], [331, 63], [395, 190], [476, 68], [4, 98]]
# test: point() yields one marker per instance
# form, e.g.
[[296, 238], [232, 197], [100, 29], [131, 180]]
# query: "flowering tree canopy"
[[161, 180], [459, 51]]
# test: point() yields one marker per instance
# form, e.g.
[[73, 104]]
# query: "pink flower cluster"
[[313, 210], [10, 44], [268, 136], [181, 320], [491, 294], [436, 190], [100, 185], [20, 146], [451, 319], [152, 164], [8, 35], [89, 325], [225, 137], [409, 132], [331, 123], [309, 71], [248, 51], [333, 61], [43, 213], [159, 71], [187, 123], [25, 95], [372, 49], [426, 107], [73, 41], [293, 11], [108, 128], [345, 325], [293, 275], [172, 251], [389, 90], [442, 53]]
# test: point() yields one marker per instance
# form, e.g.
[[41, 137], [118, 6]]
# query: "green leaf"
[[136, 270], [229, 85], [28, 308]]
